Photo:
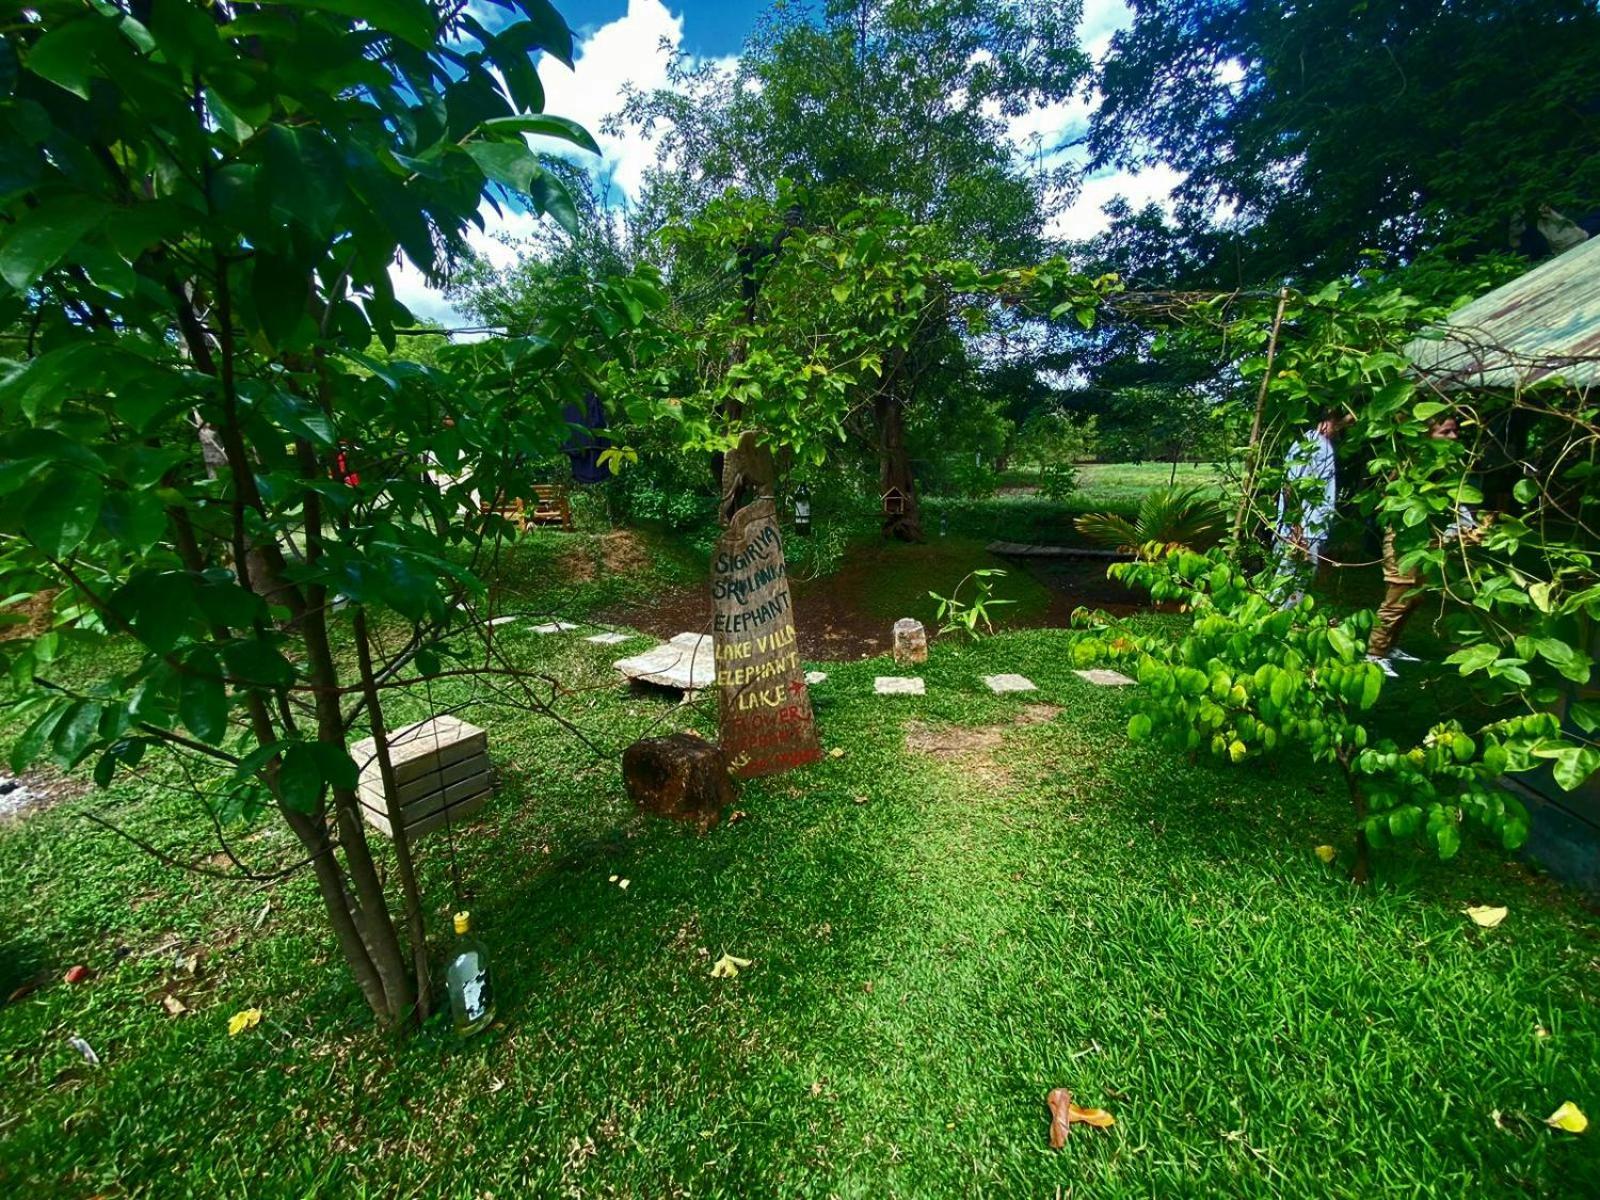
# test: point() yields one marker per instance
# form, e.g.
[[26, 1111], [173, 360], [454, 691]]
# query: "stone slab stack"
[[441, 769]]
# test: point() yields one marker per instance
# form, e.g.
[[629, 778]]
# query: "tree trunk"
[[1361, 872], [894, 467], [416, 928]]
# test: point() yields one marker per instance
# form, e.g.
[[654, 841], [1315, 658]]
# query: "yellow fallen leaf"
[[240, 1021], [836, 752], [1486, 915], [1325, 853], [1569, 1117], [728, 966], [1098, 1117], [623, 883]]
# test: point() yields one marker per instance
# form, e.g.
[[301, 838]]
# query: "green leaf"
[[136, 519], [337, 767], [410, 20], [74, 733], [542, 125], [64, 511], [545, 29], [300, 777], [65, 55], [258, 662], [1139, 727], [1474, 658], [45, 235], [510, 164], [203, 701], [31, 744], [551, 197], [281, 289], [1574, 765]]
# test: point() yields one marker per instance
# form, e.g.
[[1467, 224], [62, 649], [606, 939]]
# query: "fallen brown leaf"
[[1064, 1114], [1060, 1103], [174, 1006]]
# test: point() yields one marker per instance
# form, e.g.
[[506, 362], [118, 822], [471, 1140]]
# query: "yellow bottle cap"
[[463, 920]]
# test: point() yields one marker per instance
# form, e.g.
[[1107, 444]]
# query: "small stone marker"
[[554, 627], [686, 662], [814, 677], [1104, 677], [1000, 684], [910, 642], [681, 777], [607, 639], [899, 685], [441, 771]]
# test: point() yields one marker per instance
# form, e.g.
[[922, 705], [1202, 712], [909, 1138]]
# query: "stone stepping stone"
[[607, 639], [816, 677], [686, 662], [899, 685], [1104, 677], [554, 627], [493, 621], [1001, 684]]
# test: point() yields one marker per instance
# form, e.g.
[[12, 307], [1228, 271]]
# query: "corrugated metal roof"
[[1542, 324]]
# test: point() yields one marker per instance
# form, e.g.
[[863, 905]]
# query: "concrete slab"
[[493, 621], [1001, 684], [554, 627], [1104, 677], [607, 639], [899, 685], [686, 662]]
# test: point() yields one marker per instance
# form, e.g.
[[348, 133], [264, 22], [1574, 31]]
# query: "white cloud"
[[1083, 217], [634, 49]]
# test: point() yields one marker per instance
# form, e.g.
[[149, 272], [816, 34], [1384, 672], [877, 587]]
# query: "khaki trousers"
[[1400, 600]]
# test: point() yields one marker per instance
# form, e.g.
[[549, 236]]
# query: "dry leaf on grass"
[[728, 966], [836, 752], [1064, 1114], [174, 1006], [240, 1021], [1487, 916], [1569, 1117]]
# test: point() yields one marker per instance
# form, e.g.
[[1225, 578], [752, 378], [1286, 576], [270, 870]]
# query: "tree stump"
[[910, 642], [681, 777]]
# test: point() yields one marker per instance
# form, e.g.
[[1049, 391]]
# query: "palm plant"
[[1167, 516]]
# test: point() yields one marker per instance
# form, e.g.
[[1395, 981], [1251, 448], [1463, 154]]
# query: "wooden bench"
[[550, 506]]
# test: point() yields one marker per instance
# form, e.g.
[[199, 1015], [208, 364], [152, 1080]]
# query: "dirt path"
[[849, 614]]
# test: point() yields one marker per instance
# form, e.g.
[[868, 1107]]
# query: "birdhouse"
[[894, 502]]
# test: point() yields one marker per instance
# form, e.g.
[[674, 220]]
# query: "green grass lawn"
[[940, 933]]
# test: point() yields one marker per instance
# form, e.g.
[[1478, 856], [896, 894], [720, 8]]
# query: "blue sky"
[[619, 43], [711, 28]]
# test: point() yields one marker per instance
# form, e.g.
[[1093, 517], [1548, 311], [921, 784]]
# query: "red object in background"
[[349, 477], [76, 974]]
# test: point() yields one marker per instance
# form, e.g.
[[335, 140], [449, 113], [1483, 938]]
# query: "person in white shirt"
[[1306, 504]]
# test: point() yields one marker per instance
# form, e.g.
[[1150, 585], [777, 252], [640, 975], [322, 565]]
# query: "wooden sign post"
[[763, 707]]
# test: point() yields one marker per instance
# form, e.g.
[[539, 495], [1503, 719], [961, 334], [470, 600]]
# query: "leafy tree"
[[1324, 130], [844, 321], [898, 102], [199, 211]]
